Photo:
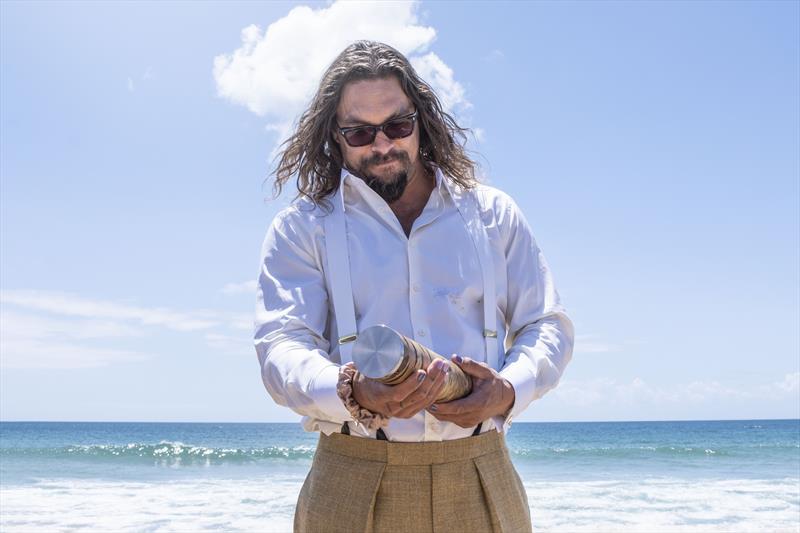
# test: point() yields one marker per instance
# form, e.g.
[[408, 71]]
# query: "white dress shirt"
[[427, 286]]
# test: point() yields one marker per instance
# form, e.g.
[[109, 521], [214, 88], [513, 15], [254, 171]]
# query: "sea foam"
[[658, 505]]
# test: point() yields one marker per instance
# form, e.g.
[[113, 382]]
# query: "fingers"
[[420, 390], [466, 412], [464, 420], [402, 390], [472, 367], [385, 399], [458, 407], [426, 393]]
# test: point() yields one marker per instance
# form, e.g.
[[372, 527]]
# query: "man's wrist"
[[345, 389], [510, 398]]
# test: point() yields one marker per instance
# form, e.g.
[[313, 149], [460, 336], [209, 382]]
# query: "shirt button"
[[421, 333], [415, 287]]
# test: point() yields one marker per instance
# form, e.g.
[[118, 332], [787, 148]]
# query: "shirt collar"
[[356, 193]]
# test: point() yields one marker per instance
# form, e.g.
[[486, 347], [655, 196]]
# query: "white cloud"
[[245, 287], [593, 347], [42, 329], [39, 354], [612, 392], [790, 383], [34, 341], [36, 326], [77, 306], [495, 56], [275, 72], [585, 344], [241, 321], [433, 70], [230, 343], [148, 75]]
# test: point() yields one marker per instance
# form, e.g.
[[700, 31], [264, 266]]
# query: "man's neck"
[[410, 205]]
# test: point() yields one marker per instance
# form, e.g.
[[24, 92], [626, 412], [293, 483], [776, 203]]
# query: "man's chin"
[[385, 176], [389, 188]]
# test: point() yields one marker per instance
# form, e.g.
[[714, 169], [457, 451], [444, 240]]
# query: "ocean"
[[698, 476]]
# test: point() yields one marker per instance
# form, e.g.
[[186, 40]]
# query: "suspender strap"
[[339, 284], [469, 208]]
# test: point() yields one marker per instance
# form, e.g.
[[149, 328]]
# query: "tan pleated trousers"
[[375, 486]]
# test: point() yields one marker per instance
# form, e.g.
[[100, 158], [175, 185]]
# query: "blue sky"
[[652, 146]]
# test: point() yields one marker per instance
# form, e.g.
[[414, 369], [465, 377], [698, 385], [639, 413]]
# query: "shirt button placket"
[[416, 305], [415, 292]]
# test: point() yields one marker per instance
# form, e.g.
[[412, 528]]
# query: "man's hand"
[[491, 395], [406, 399]]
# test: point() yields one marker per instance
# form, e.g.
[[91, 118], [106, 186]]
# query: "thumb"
[[472, 367]]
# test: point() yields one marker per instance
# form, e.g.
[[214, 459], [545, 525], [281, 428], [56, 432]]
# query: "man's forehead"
[[374, 100]]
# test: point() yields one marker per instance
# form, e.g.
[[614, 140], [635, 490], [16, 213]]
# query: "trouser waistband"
[[381, 435], [412, 453]]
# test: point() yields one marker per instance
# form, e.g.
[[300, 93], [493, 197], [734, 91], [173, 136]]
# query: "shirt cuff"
[[323, 394], [524, 384]]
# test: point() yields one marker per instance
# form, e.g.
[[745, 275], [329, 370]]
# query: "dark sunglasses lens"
[[397, 129], [360, 137]]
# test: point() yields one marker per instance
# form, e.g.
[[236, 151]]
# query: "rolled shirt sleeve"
[[291, 316], [542, 334]]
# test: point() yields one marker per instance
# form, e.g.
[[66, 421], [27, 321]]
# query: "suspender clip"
[[353, 337], [486, 333]]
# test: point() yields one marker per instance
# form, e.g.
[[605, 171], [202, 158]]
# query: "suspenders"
[[468, 207], [340, 287], [338, 275]]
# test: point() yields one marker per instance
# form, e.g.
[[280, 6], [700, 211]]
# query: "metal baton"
[[385, 355]]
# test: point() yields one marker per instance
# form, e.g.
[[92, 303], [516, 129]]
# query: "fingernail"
[[421, 377], [458, 359]]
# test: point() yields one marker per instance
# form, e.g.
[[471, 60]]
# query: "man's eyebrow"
[[355, 121]]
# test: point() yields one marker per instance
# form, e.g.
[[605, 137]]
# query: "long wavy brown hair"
[[312, 154]]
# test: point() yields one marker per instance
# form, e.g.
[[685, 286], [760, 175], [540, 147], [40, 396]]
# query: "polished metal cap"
[[378, 351]]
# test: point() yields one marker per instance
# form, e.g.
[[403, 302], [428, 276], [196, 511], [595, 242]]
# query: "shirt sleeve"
[[542, 334], [291, 317]]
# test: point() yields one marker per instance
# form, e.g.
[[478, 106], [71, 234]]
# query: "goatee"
[[389, 189]]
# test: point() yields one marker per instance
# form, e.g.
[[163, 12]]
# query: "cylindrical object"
[[385, 355]]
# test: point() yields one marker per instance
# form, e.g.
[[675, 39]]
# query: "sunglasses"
[[396, 128]]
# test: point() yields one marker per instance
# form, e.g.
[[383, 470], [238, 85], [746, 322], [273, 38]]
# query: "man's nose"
[[382, 144]]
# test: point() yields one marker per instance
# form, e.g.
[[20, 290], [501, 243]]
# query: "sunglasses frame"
[[382, 127]]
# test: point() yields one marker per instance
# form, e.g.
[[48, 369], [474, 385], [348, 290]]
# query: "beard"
[[391, 186]]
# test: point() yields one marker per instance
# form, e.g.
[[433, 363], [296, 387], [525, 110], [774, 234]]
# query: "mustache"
[[391, 156]]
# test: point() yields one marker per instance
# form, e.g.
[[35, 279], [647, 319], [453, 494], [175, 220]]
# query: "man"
[[391, 227]]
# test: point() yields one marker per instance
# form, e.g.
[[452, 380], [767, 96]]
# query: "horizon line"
[[298, 421]]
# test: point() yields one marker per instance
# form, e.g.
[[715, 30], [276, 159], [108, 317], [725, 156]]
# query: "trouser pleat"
[[338, 495], [505, 494]]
